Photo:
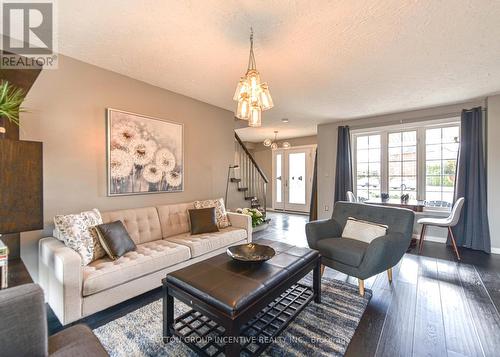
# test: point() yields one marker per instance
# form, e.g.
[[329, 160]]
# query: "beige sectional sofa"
[[164, 244]]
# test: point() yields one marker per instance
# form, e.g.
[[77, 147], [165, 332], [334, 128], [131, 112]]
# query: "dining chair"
[[351, 197], [447, 222]]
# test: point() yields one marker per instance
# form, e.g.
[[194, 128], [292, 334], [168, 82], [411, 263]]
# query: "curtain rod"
[[410, 120]]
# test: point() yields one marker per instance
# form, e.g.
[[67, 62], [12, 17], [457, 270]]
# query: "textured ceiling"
[[323, 60]]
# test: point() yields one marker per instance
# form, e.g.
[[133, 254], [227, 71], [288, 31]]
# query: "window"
[[419, 161], [402, 158], [441, 151], [368, 166]]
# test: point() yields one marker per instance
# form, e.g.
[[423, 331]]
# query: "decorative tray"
[[251, 252]]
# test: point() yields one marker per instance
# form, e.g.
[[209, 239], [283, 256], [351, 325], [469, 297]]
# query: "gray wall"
[[327, 152], [67, 112], [264, 157]]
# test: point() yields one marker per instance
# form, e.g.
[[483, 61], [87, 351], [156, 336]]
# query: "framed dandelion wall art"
[[145, 155]]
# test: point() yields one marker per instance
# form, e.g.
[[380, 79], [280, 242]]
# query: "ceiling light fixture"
[[284, 120], [252, 96], [274, 144]]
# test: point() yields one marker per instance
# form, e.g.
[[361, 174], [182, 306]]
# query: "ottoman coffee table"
[[239, 307]]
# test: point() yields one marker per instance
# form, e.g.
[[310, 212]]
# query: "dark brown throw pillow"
[[115, 239], [203, 220]]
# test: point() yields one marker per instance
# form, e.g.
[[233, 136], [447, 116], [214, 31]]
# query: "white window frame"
[[354, 142], [384, 131]]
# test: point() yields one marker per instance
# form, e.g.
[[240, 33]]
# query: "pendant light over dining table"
[[253, 97]]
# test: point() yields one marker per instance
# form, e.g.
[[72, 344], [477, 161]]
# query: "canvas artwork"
[[145, 155]]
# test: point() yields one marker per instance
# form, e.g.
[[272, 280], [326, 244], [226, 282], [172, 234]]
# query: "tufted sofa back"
[[152, 223], [174, 219], [397, 219], [143, 224]]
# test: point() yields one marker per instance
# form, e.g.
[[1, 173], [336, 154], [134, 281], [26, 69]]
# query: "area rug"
[[320, 329]]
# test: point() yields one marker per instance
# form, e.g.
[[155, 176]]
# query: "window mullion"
[[384, 163], [354, 165], [421, 164]]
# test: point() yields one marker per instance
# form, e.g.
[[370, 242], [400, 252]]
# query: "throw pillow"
[[203, 220], [115, 239], [363, 230], [78, 232], [220, 211]]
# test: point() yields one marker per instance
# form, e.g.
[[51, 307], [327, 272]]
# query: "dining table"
[[414, 205]]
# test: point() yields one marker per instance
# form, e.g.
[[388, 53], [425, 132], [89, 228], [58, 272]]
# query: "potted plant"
[[11, 99], [257, 216]]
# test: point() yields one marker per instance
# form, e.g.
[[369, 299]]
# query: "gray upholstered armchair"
[[23, 328], [357, 258]]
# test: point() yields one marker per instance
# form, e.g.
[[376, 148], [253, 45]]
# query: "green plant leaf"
[[11, 99]]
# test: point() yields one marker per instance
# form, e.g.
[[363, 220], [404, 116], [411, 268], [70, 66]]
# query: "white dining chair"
[[351, 197], [447, 222]]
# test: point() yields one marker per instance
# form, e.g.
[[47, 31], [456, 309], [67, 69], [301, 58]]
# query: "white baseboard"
[[495, 250], [431, 238], [443, 240]]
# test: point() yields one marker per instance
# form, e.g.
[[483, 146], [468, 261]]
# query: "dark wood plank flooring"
[[434, 307]]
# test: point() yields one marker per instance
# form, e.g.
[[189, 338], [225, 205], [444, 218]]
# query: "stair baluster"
[[249, 178]]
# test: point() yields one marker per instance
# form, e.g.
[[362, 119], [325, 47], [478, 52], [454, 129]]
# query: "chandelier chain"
[[251, 58]]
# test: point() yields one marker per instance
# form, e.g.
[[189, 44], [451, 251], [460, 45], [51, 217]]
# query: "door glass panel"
[[297, 178], [279, 173]]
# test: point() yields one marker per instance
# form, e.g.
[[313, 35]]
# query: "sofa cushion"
[[363, 231], [115, 239], [344, 250], [143, 224], [203, 220], [174, 219], [203, 243], [149, 257], [77, 340], [220, 210], [78, 232]]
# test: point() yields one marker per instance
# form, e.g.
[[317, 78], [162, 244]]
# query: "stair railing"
[[253, 181]]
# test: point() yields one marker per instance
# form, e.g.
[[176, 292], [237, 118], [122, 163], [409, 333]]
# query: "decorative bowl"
[[251, 252]]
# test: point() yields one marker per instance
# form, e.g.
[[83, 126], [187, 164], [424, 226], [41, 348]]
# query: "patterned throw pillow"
[[220, 211], [78, 232]]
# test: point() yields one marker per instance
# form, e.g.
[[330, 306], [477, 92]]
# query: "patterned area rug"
[[320, 329]]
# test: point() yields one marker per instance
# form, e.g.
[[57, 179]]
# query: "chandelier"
[[252, 96], [274, 144]]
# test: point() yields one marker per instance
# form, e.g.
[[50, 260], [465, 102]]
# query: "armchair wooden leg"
[[322, 270], [422, 237], [453, 242], [361, 284], [389, 275]]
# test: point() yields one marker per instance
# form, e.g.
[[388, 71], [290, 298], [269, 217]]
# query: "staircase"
[[248, 176]]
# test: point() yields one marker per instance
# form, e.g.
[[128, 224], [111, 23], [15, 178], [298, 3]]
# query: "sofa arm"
[[317, 230], [383, 253], [240, 220], [23, 322], [60, 275]]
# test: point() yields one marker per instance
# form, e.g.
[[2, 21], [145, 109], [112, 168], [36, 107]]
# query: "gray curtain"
[[472, 231], [343, 174], [313, 210]]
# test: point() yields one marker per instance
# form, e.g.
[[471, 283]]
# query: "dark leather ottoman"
[[234, 302]]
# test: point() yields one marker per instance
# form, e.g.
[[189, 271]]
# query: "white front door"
[[292, 178]]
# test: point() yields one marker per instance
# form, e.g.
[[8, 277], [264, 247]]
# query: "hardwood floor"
[[434, 307]]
